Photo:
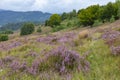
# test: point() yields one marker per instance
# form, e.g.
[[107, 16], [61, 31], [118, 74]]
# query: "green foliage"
[[11, 26], [69, 24], [54, 20], [89, 15], [112, 19], [118, 12], [27, 28], [64, 16], [6, 32], [39, 30], [97, 23], [108, 11], [58, 28], [3, 37], [72, 14]]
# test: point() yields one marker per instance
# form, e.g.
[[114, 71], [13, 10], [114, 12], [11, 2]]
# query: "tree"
[[54, 20], [118, 5], [89, 15], [118, 14], [72, 14], [28, 28], [64, 16], [108, 11]]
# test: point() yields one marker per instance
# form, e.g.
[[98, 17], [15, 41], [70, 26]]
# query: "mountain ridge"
[[8, 16]]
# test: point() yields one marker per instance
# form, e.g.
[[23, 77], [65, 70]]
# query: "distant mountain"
[[7, 16]]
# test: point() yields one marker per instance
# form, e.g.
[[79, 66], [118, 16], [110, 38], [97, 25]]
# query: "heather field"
[[74, 54]]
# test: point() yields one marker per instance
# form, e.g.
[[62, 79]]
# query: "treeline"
[[90, 16], [15, 26], [11, 26]]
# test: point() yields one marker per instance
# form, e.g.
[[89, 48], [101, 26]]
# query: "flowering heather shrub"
[[37, 66], [6, 46], [8, 59], [60, 39], [14, 44], [16, 66], [67, 37], [47, 39], [64, 60], [111, 36], [115, 50], [61, 60], [1, 63], [32, 54]]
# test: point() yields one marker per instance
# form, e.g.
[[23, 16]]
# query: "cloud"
[[53, 6]]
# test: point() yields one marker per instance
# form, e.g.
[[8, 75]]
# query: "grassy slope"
[[104, 66]]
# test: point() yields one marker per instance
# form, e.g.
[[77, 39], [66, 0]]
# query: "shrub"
[[69, 24], [111, 37], [58, 28], [115, 50], [27, 28], [64, 60], [3, 37], [39, 30], [97, 23], [60, 60], [112, 19]]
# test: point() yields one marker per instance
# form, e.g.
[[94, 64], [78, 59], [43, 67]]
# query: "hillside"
[[33, 57], [7, 16]]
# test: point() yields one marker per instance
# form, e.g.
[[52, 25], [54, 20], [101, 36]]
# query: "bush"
[[115, 50], [97, 23], [64, 60], [3, 37], [69, 24], [58, 28], [60, 60], [112, 19], [39, 30], [27, 28]]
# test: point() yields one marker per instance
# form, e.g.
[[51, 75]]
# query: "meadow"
[[70, 54]]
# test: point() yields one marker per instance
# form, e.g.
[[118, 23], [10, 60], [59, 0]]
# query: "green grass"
[[104, 66]]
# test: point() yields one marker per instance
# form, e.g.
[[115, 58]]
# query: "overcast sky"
[[52, 6]]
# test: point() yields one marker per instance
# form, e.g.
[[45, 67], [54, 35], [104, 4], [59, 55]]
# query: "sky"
[[52, 6]]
